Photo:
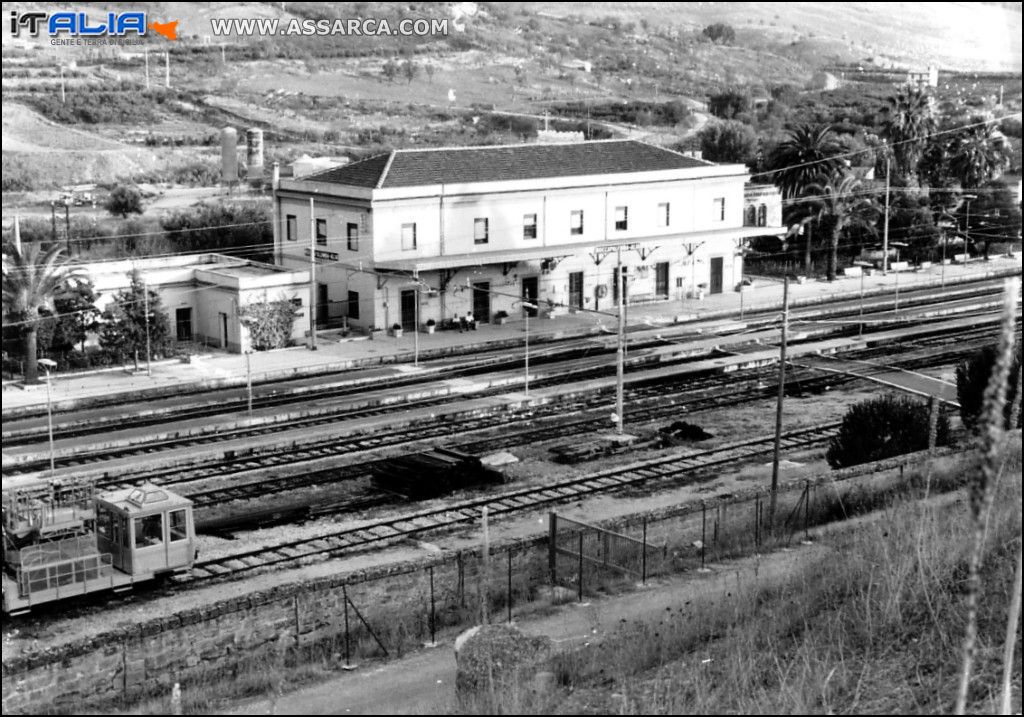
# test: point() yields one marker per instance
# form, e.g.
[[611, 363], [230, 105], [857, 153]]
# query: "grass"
[[876, 631]]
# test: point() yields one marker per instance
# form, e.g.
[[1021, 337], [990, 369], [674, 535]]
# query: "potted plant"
[[501, 317], [701, 288], [431, 325], [374, 331], [396, 330]]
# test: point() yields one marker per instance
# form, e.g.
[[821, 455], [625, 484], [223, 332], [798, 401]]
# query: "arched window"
[[751, 217], [762, 216]]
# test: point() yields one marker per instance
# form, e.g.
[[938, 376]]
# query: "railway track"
[[645, 404], [492, 361], [348, 444], [383, 531]]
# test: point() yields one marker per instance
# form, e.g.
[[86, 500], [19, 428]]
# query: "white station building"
[[484, 229]]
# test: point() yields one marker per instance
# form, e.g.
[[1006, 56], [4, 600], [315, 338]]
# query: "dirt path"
[[424, 682]]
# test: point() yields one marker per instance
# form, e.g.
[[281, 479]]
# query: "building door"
[[223, 330], [624, 283], [715, 287], [530, 294], [409, 309], [482, 302], [322, 305], [183, 323], [661, 279], [576, 290]]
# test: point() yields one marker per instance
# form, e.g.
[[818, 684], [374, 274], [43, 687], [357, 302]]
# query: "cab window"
[[149, 530], [178, 525]]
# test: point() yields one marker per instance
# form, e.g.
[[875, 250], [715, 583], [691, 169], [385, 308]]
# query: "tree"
[[124, 329], [74, 315], [390, 70], [410, 70], [124, 200], [809, 153], [728, 141], [728, 104], [972, 377], [721, 33], [839, 204], [977, 154], [32, 279], [269, 323], [241, 229], [882, 428], [908, 122]]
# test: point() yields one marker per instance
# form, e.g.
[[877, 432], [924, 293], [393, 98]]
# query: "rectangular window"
[[105, 524], [352, 232], [291, 224], [663, 215], [621, 218], [480, 232], [149, 530], [353, 304], [409, 236], [576, 222], [719, 213], [178, 525], [297, 302], [529, 226], [321, 231]]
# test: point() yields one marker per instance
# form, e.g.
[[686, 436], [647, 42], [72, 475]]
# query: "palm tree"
[[32, 279], [907, 123], [977, 155], [809, 153], [838, 203]]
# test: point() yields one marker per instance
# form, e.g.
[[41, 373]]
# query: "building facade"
[[202, 293], [415, 235]]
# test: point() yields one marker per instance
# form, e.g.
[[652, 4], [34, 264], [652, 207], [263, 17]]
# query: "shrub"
[[124, 200], [971, 379], [882, 428], [270, 323], [720, 32]]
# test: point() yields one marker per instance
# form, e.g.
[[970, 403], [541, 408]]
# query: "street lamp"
[[945, 225], [47, 365], [528, 307], [967, 223], [896, 306], [864, 266]]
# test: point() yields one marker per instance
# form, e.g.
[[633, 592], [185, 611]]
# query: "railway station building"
[[436, 233]]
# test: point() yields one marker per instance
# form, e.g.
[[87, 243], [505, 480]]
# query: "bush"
[[728, 141], [124, 200], [882, 428], [720, 33], [971, 379], [270, 323]]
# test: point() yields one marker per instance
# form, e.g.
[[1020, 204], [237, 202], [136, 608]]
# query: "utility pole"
[[248, 379], [53, 221], [145, 303], [778, 406], [312, 277], [67, 226], [885, 233], [621, 352], [807, 249], [167, 70], [146, 55]]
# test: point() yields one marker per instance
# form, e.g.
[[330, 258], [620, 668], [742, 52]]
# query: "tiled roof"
[[417, 167]]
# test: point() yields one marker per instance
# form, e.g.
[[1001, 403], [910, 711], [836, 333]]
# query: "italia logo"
[[79, 24]]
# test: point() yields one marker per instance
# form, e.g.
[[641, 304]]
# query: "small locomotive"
[[67, 539]]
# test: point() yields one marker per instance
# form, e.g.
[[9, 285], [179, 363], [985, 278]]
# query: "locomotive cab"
[[146, 530]]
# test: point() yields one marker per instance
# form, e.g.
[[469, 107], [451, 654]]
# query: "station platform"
[[217, 369]]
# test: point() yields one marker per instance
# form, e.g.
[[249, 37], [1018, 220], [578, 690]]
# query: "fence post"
[[552, 556], [510, 586], [807, 512], [703, 530], [581, 567], [643, 560], [348, 654], [757, 521], [433, 619]]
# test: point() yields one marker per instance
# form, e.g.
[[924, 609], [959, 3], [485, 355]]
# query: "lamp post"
[[47, 365], [896, 305], [248, 380], [528, 307], [967, 222], [945, 226], [864, 266]]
